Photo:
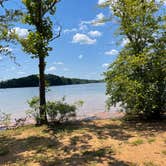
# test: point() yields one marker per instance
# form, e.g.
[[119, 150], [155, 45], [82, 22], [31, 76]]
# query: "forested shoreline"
[[51, 80]]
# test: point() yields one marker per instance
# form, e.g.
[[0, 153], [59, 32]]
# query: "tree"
[[38, 15], [7, 19], [137, 78]]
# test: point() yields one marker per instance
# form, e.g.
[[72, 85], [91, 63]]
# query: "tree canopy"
[[137, 79]]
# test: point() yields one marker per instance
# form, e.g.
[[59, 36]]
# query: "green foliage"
[[57, 111], [51, 80], [34, 112], [3, 150], [137, 142], [150, 163], [5, 119], [164, 152], [38, 15], [137, 79], [60, 111], [151, 140], [7, 19]]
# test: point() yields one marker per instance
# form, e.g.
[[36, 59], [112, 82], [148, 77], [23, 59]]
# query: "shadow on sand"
[[48, 149]]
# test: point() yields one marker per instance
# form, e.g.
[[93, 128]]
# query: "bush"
[[138, 84], [57, 111], [34, 112], [4, 150], [60, 111], [5, 119]]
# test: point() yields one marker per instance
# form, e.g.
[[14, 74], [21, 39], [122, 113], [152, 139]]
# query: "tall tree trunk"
[[43, 116]]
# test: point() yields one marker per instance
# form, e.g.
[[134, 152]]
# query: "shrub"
[[3, 150], [5, 119], [57, 111], [20, 122], [34, 111], [60, 111], [137, 142]]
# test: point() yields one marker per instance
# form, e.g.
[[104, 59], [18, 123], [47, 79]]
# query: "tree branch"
[[50, 7], [58, 33]]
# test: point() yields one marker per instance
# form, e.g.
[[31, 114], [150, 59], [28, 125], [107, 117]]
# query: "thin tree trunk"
[[43, 117]]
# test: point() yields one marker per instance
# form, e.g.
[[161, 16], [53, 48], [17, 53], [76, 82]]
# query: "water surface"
[[14, 100]]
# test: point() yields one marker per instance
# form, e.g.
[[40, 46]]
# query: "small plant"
[[4, 150], [57, 111], [20, 122], [60, 111], [149, 164], [5, 119], [34, 111], [164, 152], [150, 140], [137, 142]]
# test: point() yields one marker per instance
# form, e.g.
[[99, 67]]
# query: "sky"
[[84, 49]]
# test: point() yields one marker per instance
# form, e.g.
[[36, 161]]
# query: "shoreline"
[[90, 117]]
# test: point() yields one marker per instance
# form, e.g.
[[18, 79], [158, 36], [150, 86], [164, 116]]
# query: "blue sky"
[[84, 49]]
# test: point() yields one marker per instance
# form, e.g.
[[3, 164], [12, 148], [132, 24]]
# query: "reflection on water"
[[14, 101]]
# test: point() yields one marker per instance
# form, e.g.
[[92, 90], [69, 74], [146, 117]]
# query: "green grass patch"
[[4, 150], [137, 142], [150, 163], [150, 140], [164, 152]]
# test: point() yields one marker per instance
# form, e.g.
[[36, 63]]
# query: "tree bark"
[[43, 116]]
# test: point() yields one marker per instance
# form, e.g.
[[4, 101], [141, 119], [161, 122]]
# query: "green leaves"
[[137, 79], [37, 42]]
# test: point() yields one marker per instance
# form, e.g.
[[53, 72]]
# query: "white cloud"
[[21, 32], [105, 65], [70, 30], [100, 2], [51, 69], [58, 63], [124, 42], [111, 52], [83, 39], [97, 21], [80, 56], [94, 33]]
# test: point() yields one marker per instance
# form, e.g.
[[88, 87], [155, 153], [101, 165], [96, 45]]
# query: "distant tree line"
[[52, 80]]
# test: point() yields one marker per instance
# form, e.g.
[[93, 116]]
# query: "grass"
[[149, 164], [137, 142], [150, 140], [164, 152], [95, 143], [4, 150]]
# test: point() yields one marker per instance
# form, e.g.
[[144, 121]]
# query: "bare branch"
[[58, 33]]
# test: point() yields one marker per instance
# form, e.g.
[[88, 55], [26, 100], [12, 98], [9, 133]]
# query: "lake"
[[14, 100]]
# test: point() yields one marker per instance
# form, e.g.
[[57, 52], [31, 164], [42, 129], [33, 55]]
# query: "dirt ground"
[[92, 143]]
